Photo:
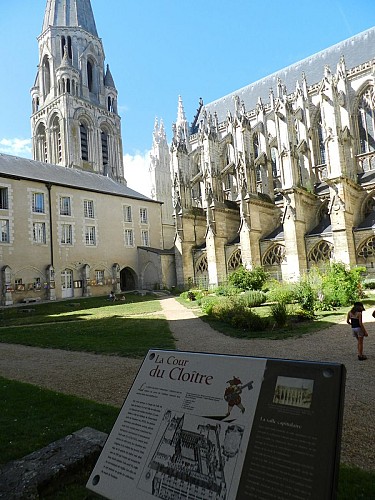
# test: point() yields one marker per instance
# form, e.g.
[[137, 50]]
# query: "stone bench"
[[27, 300]]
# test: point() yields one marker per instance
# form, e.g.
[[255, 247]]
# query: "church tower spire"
[[161, 181], [74, 119]]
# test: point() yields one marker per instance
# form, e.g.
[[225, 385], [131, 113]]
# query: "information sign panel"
[[207, 426]]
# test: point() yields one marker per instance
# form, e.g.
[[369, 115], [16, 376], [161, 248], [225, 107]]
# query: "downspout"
[[49, 186]]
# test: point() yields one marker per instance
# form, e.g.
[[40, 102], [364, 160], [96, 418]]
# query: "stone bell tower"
[[74, 119]]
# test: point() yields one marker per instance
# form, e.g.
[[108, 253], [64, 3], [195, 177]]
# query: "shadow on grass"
[[76, 309], [115, 335]]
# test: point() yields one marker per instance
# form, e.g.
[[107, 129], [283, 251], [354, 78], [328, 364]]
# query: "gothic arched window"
[[321, 252], [367, 249], [366, 121], [201, 267], [256, 145], [229, 154], [46, 74], [84, 142], [56, 141], [90, 76], [369, 205], [275, 162], [105, 151], [41, 144], [274, 256], [235, 260], [321, 145]]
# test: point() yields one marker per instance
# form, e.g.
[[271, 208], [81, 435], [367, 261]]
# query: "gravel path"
[[107, 379]]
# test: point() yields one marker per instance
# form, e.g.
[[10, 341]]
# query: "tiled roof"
[[23, 168], [356, 50]]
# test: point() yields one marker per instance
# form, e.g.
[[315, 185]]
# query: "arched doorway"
[[128, 279]]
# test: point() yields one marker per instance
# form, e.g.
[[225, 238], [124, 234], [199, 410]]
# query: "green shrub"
[[248, 280], [226, 290], [342, 286], [246, 319], [369, 285], [305, 295], [207, 304], [280, 313], [281, 292], [252, 298], [194, 294], [231, 311]]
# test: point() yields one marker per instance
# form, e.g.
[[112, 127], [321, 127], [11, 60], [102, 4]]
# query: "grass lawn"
[[32, 417], [91, 325], [77, 309]]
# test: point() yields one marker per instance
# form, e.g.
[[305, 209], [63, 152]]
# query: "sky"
[[160, 49]]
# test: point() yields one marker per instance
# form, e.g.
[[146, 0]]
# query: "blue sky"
[[160, 49]]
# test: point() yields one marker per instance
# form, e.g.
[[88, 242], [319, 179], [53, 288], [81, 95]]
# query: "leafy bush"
[[281, 292], [208, 303], [230, 310], [342, 286], [193, 294], [252, 298], [369, 285], [279, 312], [305, 295], [244, 279], [226, 290]]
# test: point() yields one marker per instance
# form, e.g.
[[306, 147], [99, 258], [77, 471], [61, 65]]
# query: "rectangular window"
[[38, 203], [143, 215], [4, 228], [90, 236], [4, 198], [128, 213], [39, 232], [66, 234], [88, 208], [129, 237], [65, 208], [145, 239], [99, 276]]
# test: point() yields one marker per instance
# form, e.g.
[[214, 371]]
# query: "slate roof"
[[277, 234], [23, 168], [366, 177], [367, 223], [70, 13], [324, 227], [356, 50], [159, 251]]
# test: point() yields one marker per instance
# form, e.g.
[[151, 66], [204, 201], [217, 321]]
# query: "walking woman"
[[354, 319]]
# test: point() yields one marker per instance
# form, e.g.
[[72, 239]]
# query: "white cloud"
[[17, 147], [136, 172]]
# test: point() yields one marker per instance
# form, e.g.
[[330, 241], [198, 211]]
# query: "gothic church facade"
[[280, 173]]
